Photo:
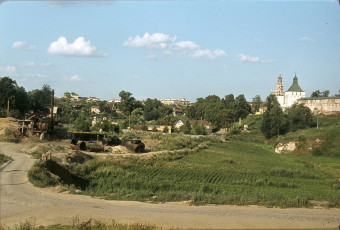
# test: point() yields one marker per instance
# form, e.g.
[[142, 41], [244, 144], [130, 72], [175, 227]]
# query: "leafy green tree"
[[167, 120], [40, 100], [212, 105], [199, 108], [164, 110], [67, 96], [225, 117], [151, 109], [299, 117], [256, 103], [127, 102], [137, 116], [198, 129], [229, 101], [7, 91], [16, 95], [191, 112], [274, 121], [82, 124], [242, 108], [155, 110], [318, 93], [105, 125], [186, 128]]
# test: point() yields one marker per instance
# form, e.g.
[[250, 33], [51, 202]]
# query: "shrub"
[[41, 177], [4, 158]]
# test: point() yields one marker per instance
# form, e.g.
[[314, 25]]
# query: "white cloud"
[[9, 71], [32, 47], [308, 39], [184, 45], [150, 41], [19, 44], [80, 47], [36, 75], [74, 78], [167, 52], [207, 53], [33, 64], [152, 56], [45, 64], [248, 58], [23, 45], [29, 64]]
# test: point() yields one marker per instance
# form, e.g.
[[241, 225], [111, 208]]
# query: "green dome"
[[295, 87]]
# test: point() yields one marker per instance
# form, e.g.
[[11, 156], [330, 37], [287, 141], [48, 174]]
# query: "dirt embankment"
[[9, 129]]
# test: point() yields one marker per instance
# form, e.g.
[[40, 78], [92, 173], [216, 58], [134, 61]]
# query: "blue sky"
[[170, 49]]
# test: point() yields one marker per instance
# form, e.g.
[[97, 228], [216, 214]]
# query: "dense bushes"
[[41, 177], [275, 122]]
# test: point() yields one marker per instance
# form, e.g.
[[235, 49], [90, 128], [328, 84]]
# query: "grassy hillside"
[[244, 171], [236, 172]]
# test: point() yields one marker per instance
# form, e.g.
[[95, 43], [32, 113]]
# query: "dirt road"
[[20, 200]]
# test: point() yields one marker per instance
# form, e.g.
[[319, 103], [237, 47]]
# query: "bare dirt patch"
[[9, 129]]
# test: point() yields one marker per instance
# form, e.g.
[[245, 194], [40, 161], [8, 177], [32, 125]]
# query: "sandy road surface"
[[21, 200]]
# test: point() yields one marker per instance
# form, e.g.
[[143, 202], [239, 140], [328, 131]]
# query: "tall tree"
[[318, 93], [242, 108], [127, 102], [7, 91], [229, 101], [256, 103], [40, 100], [225, 117], [274, 121], [151, 109], [299, 117], [212, 105]]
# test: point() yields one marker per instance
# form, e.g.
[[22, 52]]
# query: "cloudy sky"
[[170, 49]]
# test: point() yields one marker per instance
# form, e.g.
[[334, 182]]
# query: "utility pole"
[[7, 106], [52, 107]]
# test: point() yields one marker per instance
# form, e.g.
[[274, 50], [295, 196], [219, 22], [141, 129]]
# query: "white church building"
[[289, 97]]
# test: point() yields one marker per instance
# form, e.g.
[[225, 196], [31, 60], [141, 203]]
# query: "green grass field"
[[235, 172]]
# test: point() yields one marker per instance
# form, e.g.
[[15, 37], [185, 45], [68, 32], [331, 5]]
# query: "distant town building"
[[74, 96], [95, 109], [291, 96], [180, 102]]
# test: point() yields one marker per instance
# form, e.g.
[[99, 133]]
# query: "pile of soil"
[[119, 150], [9, 130]]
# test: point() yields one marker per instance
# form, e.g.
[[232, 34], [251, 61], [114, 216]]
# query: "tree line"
[[15, 101], [219, 112]]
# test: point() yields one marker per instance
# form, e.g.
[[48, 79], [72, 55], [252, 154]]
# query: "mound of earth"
[[9, 129], [77, 157], [119, 150], [43, 148]]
